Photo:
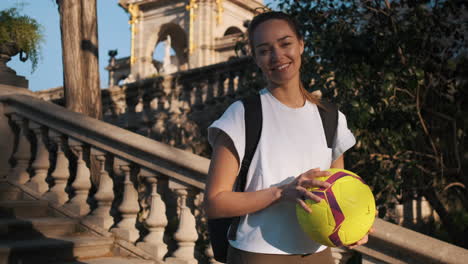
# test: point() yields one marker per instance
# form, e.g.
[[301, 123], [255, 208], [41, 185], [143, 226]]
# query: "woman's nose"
[[275, 54]]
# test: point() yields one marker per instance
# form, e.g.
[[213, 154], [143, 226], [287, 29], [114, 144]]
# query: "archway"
[[170, 52], [232, 31]]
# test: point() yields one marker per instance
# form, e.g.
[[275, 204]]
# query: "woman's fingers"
[[315, 183], [307, 195], [303, 205]]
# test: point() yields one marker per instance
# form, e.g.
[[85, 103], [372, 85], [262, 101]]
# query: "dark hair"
[[259, 19], [269, 15]]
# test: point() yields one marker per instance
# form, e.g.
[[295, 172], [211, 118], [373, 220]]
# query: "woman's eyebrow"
[[280, 39]]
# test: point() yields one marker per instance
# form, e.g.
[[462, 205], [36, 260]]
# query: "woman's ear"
[[301, 45]]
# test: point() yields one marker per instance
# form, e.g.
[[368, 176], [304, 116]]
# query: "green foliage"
[[398, 69], [23, 31]]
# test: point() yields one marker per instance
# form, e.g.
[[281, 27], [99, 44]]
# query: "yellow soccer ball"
[[344, 215]]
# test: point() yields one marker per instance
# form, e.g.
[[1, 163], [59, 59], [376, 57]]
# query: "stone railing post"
[[341, 255], [82, 182], [186, 234], [156, 221], [104, 195], [7, 144], [41, 162], [19, 173], [61, 172], [129, 207]]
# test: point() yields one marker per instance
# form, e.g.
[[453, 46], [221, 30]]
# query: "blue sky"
[[113, 30]]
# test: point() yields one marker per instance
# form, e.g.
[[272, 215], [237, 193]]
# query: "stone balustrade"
[[175, 109], [145, 193]]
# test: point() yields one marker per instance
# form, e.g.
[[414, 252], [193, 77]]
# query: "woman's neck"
[[290, 95]]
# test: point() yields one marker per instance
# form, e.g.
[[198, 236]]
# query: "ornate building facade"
[[200, 32]]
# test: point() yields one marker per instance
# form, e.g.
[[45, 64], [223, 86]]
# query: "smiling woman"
[[292, 152]]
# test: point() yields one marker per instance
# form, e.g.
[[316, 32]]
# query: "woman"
[[291, 153]]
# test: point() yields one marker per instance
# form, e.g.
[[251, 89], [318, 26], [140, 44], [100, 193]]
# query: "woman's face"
[[277, 51]]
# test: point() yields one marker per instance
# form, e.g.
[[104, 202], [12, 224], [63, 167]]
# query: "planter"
[[7, 75]]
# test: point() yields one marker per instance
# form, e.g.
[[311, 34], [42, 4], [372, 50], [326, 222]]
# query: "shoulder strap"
[[253, 129], [329, 117]]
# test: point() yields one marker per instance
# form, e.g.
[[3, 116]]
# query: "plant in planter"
[[19, 34]]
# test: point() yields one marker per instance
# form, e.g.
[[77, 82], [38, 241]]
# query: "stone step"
[[49, 250], [25, 208], [9, 192], [20, 228], [111, 260]]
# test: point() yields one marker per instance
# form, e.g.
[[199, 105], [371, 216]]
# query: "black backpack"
[[218, 228]]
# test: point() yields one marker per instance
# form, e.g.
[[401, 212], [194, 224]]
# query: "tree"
[[78, 26], [398, 70]]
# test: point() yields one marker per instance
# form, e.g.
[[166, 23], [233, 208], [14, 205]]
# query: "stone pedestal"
[[8, 76]]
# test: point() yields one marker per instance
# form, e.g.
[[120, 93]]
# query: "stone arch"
[[232, 31], [179, 42]]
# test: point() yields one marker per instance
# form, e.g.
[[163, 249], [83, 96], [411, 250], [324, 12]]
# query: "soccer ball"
[[344, 215]]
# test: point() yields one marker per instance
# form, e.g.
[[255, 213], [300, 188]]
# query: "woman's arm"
[[221, 201], [338, 163]]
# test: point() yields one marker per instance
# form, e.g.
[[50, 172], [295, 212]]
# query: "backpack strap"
[[329, 117], [253, 129]]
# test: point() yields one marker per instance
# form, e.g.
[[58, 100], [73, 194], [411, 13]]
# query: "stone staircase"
[[31, 231]]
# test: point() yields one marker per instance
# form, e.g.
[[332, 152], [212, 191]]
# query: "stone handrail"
[[146, 170]]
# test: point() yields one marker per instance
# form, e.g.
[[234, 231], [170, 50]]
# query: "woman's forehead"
[[272, 30]]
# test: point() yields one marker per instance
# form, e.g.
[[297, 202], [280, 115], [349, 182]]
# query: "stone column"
[[156, 221], [129, 207], [6, 144], [41, 163], [22, 155], [61, 172], [105, 194], [186, 234], [82, 182]]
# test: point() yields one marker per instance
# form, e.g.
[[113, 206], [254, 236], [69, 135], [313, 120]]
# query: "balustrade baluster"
[[129, 207], [155, 222], [104, 195], [186, 234], [209, 253], [230, 84], [61, 172], [226, 86], [82, 182], [235, 82], [41, 162], [19, 173]]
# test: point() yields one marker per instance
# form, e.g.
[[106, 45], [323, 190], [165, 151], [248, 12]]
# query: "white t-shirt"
[[292, 142]]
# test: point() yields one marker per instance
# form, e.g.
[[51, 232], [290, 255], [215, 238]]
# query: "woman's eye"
[[286, 44], [263, 52]]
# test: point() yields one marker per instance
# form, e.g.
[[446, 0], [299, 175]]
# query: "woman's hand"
[[362, 241], [296, 191]]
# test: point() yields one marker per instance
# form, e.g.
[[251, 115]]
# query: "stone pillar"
[[104, 195], [61, 172], [82, 182], [156, 221], [6, 144], [129, 207], [41, 162], [19, 173], [186, 234]]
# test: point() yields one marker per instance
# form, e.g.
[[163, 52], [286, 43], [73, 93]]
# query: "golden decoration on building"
[[220, 10], [134, 11], [191, 8]]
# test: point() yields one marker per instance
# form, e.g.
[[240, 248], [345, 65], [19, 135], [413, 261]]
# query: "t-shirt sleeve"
[[344, 138], [232, 123]]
